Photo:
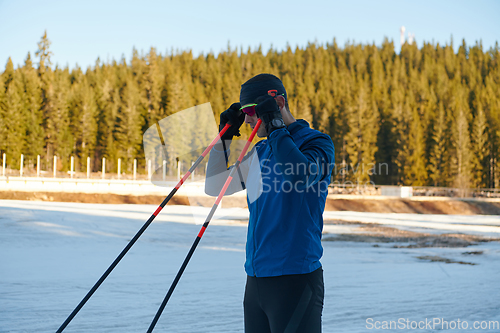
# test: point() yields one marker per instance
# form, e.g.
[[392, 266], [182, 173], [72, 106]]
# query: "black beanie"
[[259, 86]]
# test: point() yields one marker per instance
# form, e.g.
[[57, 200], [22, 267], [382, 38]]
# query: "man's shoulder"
[[314, 139], [304, 131]]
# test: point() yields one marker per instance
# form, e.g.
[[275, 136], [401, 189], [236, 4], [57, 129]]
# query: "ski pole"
[[144, 227], [203, 228]]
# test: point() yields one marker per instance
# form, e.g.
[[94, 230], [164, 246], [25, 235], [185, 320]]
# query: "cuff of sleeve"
[[278, 132]]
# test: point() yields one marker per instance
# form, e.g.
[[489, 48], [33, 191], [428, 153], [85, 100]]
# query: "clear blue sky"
[[81, 31]]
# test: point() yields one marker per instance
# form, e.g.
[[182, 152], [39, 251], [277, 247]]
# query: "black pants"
[[284, 304]]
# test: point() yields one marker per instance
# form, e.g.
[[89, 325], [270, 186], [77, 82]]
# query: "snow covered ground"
[[51, 254]]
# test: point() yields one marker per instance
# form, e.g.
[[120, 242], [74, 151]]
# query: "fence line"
[[161, 175], [416, 191], [163, 170]]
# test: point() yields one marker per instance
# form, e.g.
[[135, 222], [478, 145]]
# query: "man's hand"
[[267, 109], [235, 118]]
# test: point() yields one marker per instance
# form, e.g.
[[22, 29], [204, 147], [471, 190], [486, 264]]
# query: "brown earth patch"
[[462, 207], [375, 233], [106, 198], [389, 205], [445, 260]]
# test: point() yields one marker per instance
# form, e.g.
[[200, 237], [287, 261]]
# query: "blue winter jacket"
[[286, 177]]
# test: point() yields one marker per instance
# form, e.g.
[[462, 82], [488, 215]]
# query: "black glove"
[[235, 118], [269, 112]]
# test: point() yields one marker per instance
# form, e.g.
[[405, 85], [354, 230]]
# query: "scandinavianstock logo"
[[183, 135]]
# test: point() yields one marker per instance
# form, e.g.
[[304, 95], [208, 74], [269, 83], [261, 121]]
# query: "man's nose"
[[248, 119]]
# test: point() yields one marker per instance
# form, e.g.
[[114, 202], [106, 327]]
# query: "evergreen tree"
[[152, 87], [439, 153], [8, 74], [3, 101], [32, 100], [461, 155], [12, 115], [492, 109], [107, 99], [129, 122], [417, 172], [362, 135], [479, 147], [43, 52], [83, 113], [59, 136]]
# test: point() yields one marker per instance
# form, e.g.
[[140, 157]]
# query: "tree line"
[[425, 116]]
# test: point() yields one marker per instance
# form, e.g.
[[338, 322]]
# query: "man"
[[286, 177]]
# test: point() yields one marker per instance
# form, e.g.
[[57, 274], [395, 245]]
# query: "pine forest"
[[427, 116]]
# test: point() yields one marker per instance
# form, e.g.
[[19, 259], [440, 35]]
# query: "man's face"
[[252, 121]]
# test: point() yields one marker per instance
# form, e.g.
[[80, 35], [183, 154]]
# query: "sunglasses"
[[248, 109]]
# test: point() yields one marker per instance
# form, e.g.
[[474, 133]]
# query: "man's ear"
[[280, 100]]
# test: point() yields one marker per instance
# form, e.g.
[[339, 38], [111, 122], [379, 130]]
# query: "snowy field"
[[51, 254]]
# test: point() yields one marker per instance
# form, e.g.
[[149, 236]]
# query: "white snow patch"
[[45, 274]]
